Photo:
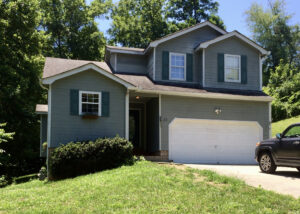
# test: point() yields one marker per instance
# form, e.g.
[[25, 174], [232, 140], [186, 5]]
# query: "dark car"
[[284, 150]]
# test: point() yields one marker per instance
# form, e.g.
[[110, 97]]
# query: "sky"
[[233, 14]]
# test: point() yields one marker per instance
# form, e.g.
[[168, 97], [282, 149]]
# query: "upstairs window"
[[89, 103], [177, 66], [232, 68]]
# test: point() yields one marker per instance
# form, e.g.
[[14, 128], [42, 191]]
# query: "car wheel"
[[266, 163]]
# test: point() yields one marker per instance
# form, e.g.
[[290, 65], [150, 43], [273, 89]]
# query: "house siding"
[[236, 47], [185, 44], [66, 127], [150, 64], [128, 63], [200, 108], [43, 133]]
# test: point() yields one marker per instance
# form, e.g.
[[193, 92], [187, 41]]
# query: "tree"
[[271, 30], [137, 22], [71, 28], [4, 138], [21, 63], [284, 87], [190, 12]]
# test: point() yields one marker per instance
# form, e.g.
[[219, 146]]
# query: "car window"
[[293, 132]]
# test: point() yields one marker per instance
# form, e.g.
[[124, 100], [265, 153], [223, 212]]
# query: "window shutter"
[[244, 69], [189, 67], [165, 65], [221, 70], [74, 102], [105, 104]]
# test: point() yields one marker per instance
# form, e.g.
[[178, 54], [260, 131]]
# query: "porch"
[[144, 125]]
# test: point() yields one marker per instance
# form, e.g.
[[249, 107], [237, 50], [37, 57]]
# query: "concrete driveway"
[[284, 181]]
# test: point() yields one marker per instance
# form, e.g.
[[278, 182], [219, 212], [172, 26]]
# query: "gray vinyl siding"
[[66, 128], [199, 108], [129, 63], [152, 120], [112, 61], [185, 44], [150, 64], [236, 47], [43, 133]]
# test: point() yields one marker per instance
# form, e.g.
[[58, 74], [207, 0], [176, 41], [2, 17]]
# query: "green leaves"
[[71, 29], [138, 22]]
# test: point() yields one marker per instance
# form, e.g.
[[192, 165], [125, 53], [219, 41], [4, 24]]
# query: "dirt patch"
[[197, 177]]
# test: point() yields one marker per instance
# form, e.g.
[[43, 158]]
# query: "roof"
[[128, 50], [41, 109], [229, 35], [139, 83], [54, 66]]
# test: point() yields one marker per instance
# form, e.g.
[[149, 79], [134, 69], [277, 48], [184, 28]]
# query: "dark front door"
[[289, 148], [134, 128]]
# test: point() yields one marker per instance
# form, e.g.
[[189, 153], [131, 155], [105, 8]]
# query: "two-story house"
[[193, 96]]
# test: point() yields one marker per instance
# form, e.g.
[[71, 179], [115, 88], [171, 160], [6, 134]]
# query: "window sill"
[[89, 116]]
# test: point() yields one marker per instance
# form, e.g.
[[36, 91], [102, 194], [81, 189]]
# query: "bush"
[[81, 158]]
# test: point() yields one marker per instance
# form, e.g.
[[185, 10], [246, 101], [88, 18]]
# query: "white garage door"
[[213, 141]]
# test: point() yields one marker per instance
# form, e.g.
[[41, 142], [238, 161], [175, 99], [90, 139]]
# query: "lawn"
[[280, 126], [144, 188]]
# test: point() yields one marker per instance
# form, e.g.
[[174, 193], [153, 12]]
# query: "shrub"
[[80, 158]]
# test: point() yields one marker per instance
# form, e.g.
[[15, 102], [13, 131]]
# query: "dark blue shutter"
[[221, 67], [244, 69], [189, 67], [165, 65], [74, 102], [105, 104]]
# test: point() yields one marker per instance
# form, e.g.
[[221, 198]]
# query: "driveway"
[[285, 180]]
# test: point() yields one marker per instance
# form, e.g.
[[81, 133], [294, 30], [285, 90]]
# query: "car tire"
[[266, 163]]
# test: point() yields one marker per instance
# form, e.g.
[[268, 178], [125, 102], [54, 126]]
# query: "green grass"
[[144, 188], [280, 126]]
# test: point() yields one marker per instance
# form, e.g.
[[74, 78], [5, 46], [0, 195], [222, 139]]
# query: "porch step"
[[157, 158]]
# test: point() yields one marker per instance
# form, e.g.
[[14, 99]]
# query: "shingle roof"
[[54, 66]]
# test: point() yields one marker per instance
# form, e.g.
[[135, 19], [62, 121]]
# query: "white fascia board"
[[180, 33], [208, 95], [223, 37], [50, 80], [126, 51]]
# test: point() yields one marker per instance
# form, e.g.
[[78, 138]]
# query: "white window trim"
[[228, 80], [170, 65], [90, 92]]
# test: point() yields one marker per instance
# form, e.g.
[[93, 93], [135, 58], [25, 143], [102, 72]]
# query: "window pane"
[[173, 60], [293, 132], [84, 97], [232, 62], [231, 74]]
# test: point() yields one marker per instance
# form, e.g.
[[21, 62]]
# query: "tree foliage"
[[71, 28], [270, 28], [138, 22], [135, 23], [189, 12], [21, 64], [284, 87]]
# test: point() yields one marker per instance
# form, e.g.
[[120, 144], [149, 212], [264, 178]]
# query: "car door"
[[289, 146]]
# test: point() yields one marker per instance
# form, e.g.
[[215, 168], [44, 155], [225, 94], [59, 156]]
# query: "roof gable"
[[229, 35]]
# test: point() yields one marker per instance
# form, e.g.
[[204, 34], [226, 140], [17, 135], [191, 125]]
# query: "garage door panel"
[[213, 141]]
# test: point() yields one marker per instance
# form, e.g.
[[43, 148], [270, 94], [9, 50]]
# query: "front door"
[[134, 128]]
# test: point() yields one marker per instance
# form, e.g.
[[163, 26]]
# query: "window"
[[232, 68], [177, 66], [293, 132], [89, 103]]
